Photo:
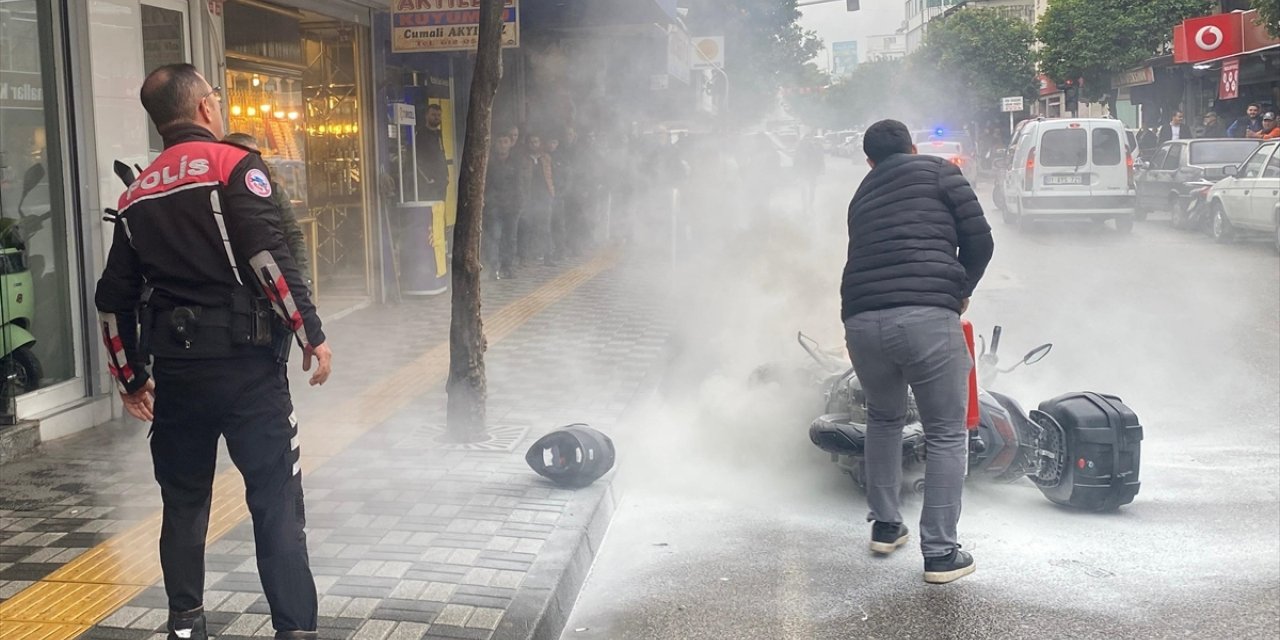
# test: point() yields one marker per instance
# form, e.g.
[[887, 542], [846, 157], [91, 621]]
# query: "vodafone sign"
[[1207, 38]]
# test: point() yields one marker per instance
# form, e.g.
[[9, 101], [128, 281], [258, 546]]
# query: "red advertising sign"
[[1229, 85], [1047, 86], [1208, 38]]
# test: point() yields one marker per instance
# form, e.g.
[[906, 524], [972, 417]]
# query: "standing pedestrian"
[[1270, 127], [288, 220], [810, 163], [196, 260], [918, 245], [1249, 125], [1174, 130], [1212, 127], [433, 168], [560, 181], [539, 192], [502, 207]]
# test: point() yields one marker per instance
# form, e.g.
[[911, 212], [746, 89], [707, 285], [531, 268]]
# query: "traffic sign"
[[1011, 104]]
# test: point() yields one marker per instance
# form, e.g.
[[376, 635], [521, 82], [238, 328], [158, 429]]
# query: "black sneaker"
[[187, 625], [886, 537], [948, 568]]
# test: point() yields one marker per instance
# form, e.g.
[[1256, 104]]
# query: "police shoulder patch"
[[258, 183]]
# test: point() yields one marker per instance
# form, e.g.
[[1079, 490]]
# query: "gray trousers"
[[922, 347]]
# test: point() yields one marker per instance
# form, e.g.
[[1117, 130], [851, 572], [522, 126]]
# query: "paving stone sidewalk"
[[409, 539]]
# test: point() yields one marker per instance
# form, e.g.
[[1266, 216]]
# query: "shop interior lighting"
[[235, 109], [265, 108], [252, 111], [279, 115], [293, 115], [256, 80]]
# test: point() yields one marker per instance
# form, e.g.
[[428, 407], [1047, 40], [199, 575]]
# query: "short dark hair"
[[886, 138], [1254, 104], [435, 107], [242, 139], [172, 93]]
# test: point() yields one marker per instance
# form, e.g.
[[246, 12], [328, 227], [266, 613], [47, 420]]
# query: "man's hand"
[[141, 403], [323, 358], [964, 306]]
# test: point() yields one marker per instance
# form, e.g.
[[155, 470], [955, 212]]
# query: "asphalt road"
[[731, 526]]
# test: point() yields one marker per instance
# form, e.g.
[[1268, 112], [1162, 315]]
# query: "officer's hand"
[[323, 357], [141, 403]]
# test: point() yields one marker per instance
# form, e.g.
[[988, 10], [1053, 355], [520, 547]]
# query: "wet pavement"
[[726, 522], [409, 537], [736, 527]]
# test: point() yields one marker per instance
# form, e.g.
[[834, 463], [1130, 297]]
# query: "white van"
[[1069, 169]]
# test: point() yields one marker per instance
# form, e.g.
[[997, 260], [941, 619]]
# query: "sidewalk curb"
[[545, 600]]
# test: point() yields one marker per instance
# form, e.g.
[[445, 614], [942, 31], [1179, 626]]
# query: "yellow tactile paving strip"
[[84, 591]]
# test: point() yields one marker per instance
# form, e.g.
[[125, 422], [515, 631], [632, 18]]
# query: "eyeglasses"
[[216, 91]]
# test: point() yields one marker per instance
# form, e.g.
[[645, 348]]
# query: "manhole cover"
[[495, 438]]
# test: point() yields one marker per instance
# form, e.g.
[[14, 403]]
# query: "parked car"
[[1068, 169], [1247, 201], [1163, 182], [954, 153]]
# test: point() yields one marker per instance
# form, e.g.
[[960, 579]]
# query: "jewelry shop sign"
[[446, 25]]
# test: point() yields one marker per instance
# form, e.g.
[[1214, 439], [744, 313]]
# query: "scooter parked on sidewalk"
[[20, 369]]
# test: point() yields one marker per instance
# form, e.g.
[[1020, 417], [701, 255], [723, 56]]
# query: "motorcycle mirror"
[[33, 177], [1037, 354]]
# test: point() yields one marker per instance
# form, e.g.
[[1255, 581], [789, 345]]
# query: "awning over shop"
[[1273, 47]]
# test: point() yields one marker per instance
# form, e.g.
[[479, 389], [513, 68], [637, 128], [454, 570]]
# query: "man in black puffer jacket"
[[918, 244]]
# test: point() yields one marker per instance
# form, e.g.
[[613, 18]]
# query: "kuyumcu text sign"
[[446, 25]]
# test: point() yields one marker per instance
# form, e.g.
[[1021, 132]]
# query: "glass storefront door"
[[38, 314], [295, 82]]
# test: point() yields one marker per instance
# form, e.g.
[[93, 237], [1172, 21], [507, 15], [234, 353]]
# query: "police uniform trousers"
[[246, 400]]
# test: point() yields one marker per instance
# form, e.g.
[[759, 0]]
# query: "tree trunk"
[[467, 387]]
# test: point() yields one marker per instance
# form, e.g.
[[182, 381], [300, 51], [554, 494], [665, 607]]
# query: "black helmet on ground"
[[572, 456]]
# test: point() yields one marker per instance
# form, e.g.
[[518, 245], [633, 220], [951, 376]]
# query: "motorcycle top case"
[[1101, 450]]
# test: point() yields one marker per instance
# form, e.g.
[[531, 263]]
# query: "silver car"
[[1247, 201]]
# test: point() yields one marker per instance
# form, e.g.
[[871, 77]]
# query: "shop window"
[[294, 83], [164, 41], [37, 346]]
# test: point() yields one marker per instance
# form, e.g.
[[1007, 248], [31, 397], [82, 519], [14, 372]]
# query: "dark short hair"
[[886, 138], [1254, 104], [242, 139], [172, 93], [435, 107]]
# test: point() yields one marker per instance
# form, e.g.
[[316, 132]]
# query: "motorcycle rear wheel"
[[20, 372]]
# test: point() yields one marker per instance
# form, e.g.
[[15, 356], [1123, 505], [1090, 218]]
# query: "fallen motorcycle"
[[1194, 213], [1080, 449]]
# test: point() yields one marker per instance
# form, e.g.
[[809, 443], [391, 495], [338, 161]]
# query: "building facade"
[[886, 47], [315, 81]]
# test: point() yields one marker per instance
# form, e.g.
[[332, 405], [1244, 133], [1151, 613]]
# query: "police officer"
[[199, 278]]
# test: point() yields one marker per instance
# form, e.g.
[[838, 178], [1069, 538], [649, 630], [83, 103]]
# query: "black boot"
[[187, 625], [296, 635]]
